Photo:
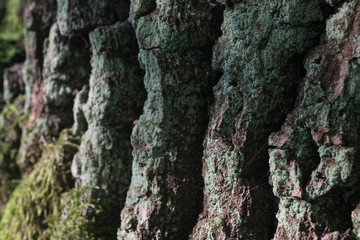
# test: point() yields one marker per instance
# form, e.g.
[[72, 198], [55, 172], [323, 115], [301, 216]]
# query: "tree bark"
[[249, 128]]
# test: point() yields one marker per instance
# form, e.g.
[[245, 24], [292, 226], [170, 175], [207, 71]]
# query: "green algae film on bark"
[[115, 100], [314, 167], [66, 68], [175, 41], [76, 16], [258, 56]]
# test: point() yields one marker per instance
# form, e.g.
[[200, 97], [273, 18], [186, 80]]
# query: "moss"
[[35, 203], [73, 224], [32, 144], [11, 119]]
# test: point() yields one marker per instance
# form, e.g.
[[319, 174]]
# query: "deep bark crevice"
[[207, 93], [334, 209], [310, 162]]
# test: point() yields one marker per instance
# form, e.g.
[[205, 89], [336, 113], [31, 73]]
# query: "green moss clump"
[[12, 119], [34, 206], [73, 224]]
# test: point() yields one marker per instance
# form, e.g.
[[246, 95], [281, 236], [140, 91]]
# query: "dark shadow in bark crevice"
[[334, 209], [208, 95]]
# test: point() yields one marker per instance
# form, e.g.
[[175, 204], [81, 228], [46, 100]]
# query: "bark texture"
[[164, 197], [204, 119], [314, 163]]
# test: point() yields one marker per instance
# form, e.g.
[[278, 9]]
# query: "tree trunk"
[[249, 130]]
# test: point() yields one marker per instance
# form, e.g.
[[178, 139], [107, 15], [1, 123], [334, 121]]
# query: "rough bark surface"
[[260, 57], [164, 198], [38, 18], [115, 99], [204, 119], [314, 163]]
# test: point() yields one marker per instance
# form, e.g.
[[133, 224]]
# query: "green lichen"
[[324, 123], [61, 54], [338, 25], [76, 16], [325, 178], [259, 55], [140, 8], [293, 216], [175, 40], [115, 98], [285, 181]]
